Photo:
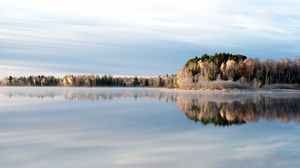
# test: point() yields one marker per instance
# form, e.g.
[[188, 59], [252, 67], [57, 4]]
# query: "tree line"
[[237, 68], [218, 71], [168, 81]]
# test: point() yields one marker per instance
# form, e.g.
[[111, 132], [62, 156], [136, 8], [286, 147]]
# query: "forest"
[[218, 71], [223, 70], [168, 81]]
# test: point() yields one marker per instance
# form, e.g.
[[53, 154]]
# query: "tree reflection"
[[249, 109], [217, 108]]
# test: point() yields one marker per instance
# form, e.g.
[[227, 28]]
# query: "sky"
[[140, 37]]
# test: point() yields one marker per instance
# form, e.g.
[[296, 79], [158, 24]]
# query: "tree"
[[10, 80], [136, 81]]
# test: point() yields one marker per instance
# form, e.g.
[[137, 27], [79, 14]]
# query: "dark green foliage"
[[193, 60], [205, 57], [136, 81], [160, 82], [10, 78], [146, 83], [220, 58]]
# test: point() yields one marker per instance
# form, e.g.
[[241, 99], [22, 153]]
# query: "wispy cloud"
[[110, 31]]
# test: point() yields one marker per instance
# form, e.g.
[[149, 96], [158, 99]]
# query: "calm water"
[[118, 127]]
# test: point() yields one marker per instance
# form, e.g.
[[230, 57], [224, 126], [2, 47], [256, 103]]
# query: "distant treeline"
[[218, 71], [168, 81], [224, 68]]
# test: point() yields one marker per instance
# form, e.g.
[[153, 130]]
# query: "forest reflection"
[[249, 109], [217, 108]]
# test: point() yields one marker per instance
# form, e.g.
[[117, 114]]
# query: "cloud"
[[64, 31], [20, 68]]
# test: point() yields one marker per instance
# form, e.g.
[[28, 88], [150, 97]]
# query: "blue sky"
[[139, 37]]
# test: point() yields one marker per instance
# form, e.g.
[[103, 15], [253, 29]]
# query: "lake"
[[140, 127]]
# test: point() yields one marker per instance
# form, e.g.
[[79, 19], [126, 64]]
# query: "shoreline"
[[163, 89]]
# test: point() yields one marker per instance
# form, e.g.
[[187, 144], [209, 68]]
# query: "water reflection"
[[117, 128], [249, 109], [217, 108]]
